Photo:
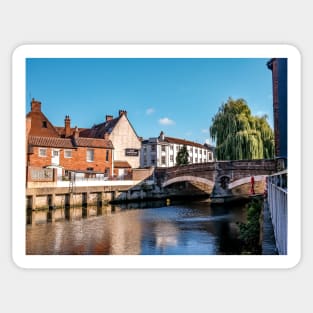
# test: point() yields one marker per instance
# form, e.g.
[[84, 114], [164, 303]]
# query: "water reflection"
[[145, 228]]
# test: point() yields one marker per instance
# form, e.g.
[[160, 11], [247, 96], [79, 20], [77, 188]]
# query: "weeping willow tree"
[[240, 135]]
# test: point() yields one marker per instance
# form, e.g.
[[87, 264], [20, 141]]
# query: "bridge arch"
[[189, 178], [246, 180]]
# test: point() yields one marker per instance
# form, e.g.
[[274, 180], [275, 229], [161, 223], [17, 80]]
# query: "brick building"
[[63, 148], [279, 68]]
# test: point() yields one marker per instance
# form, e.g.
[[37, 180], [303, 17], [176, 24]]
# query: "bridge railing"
[[277, 201]]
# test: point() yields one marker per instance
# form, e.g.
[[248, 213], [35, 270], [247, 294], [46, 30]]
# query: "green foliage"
[[249, 232], [182, 157], [240, 135]]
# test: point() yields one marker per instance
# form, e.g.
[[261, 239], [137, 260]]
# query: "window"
[[177, 148], [107, 155], [152, 147], [152, 161], [200, 151], [67, 154], [163, 159], [210, 156], [42, 152], [196, 150], [44, 124], [171, 158], [90, 169], [90, 155], [171, 147], [163, 148]]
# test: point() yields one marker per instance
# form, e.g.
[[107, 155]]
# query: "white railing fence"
[[278, 206]]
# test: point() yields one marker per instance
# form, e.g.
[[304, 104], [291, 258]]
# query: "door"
[[55, 160], [121, 173]]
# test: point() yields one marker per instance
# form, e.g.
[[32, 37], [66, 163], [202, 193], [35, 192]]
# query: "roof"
[[53, 142], [121, 164], [92, 142], [61, 130], [69, 143], [99, 130], [183, 142]]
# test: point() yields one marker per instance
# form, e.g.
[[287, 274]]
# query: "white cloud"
[[205, 131], [166, 121], [150, 111]]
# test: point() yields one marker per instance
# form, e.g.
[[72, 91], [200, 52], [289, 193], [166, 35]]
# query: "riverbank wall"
[[48, 196]]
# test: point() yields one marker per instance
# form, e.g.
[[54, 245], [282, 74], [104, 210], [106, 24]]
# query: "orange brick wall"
[[76, 162]]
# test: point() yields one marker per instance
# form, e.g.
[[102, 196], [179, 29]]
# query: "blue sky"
[[178, 96]]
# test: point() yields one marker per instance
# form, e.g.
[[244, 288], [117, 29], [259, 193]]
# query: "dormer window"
[[44, 124]]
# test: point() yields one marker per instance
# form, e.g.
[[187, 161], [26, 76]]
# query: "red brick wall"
[[76, 162]]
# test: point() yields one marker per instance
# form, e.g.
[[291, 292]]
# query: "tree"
[[240, 135], [182, 156]]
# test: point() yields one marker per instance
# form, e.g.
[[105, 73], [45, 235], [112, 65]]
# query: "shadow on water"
[[226, 229]]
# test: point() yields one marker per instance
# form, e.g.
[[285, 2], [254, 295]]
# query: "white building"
[[162, 151], [127, 145]]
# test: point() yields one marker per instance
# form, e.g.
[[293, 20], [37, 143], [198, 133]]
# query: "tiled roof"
[[183, 142], [99, 130], [41, 141], [121, 164], [93, 143], [61, 130], [54, 142]]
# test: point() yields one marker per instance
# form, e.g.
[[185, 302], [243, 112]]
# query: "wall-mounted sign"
[[131, 152]]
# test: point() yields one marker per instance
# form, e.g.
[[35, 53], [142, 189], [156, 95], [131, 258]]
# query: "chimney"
[[35, 106], [76, 133], [108, 118], [121, 112], [67, 124], [106, 136], [161, 137]]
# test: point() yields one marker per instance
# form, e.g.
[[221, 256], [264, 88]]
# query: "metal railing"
[[278, 206]]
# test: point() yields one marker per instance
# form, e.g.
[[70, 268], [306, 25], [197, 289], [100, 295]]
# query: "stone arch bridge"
[[221, 178]]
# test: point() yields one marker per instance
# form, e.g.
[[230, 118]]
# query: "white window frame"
[[67, 151], [42, 155], [90, 158]]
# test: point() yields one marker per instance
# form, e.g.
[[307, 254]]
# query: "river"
[[155, 228]]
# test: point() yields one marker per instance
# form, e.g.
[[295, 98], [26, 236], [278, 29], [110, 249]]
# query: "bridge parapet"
[[223, 174]]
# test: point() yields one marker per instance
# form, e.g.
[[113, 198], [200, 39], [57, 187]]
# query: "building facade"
[[63, 148], [278, 66], [162, 151], [121, 133]]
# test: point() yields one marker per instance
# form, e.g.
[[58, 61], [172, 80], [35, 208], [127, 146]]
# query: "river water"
[[186, 228]]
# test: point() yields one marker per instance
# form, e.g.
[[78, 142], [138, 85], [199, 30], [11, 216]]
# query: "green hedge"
[[249, 232]]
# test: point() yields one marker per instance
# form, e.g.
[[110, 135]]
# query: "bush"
[[249, 232]]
